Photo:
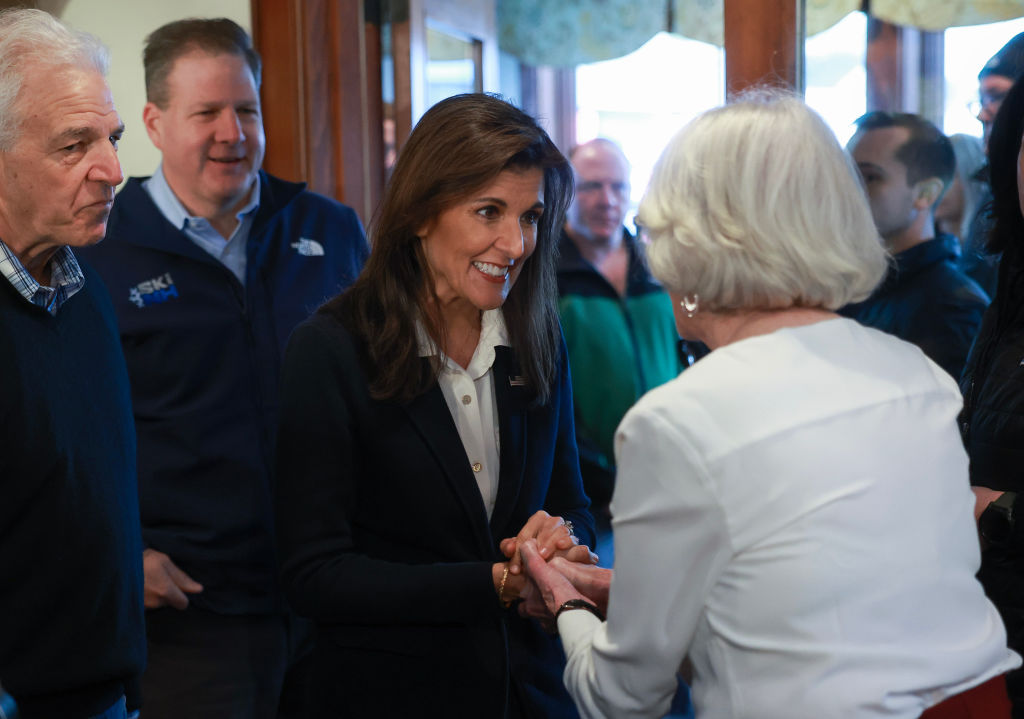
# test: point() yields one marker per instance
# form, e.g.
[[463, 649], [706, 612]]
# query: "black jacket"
[[386, 544], [926, 300], [992, 426]]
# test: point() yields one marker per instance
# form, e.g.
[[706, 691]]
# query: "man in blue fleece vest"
[[210, 263], [71, 621]]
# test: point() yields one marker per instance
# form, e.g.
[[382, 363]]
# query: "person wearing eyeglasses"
[[992, 421], [994, 82]]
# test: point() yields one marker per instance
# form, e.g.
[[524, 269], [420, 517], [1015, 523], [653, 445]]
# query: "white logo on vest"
[[308, 248]]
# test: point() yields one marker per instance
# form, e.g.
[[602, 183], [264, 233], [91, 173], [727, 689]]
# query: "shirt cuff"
[[576, 627]]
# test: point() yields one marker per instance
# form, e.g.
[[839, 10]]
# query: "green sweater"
[[619, 348]]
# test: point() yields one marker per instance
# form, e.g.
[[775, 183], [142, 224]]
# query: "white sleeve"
[[671, 542]]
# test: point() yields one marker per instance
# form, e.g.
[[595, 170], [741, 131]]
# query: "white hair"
[[33, 39], [756, 206]]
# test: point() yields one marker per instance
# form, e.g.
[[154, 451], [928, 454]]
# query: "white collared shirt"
[[469, 394], [231, 251]]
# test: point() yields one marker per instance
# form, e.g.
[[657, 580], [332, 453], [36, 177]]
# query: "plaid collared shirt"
[[65, 276]]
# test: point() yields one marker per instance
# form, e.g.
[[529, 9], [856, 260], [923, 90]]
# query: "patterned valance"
[[933, 15], [572, 32]]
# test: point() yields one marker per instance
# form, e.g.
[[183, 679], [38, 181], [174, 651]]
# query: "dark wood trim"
[[564, 120], [401, 53], [277, 33], [321, 96], [905, 70], [764, 44], [933, 77]]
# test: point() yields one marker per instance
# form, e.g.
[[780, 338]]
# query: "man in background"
[[211, 262], [71, 626], [907, 164], [618, 322], [994, 82]]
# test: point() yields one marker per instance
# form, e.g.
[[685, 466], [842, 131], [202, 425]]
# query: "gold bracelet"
[[501, 588]]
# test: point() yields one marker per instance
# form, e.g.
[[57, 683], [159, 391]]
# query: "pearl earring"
[[690, 305]]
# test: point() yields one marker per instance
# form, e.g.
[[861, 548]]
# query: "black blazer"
[[385, 542]]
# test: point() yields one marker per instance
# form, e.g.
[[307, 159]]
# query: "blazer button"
[[477, 466], [466, 399]]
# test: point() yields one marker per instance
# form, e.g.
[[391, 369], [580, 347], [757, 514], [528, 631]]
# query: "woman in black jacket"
[[426, 415], [992, 422]]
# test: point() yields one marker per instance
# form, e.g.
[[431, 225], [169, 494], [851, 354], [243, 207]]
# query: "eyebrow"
[[83, 133], [499, 201], [219, 104]]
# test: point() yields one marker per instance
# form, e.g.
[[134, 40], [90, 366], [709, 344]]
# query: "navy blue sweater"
[[71, 618], [204, 356]]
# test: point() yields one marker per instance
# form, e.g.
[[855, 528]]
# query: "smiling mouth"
[[498, 272], [226, 160]]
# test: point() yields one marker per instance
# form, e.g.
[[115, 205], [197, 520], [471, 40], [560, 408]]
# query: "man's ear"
[[152, 118], [927, 192]]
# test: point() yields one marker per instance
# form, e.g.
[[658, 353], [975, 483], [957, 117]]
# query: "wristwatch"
[[996, 523]]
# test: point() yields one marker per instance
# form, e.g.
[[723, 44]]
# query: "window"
[[836, 79], [641, 100], [967, 51]]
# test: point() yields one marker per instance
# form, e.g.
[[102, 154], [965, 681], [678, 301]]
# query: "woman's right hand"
[[514, 584], [553, 537]]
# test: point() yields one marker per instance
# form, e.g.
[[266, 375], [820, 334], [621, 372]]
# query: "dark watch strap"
[[579, 604]]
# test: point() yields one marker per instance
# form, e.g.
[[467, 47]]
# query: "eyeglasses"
[[987, 100]]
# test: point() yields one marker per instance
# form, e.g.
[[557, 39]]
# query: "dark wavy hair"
[[458, 147]]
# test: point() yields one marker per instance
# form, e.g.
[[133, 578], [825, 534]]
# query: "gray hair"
[[30, 39], [970, 158], [756, 206]]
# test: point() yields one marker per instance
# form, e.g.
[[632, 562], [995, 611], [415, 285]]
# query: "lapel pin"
[[517, 381]]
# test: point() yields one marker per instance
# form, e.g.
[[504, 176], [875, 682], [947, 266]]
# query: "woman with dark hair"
[[992, 422], [426, 415]]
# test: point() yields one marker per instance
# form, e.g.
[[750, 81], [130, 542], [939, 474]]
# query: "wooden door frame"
[[321, 96]]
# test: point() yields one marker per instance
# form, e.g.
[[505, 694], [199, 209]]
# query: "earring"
[[690, 306]]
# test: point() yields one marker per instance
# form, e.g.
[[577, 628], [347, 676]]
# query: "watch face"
[[994, 525]]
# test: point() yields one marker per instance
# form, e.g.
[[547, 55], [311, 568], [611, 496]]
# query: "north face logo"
[[309, 248], [153, 292]]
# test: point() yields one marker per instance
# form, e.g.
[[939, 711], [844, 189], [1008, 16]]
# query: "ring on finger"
[[569, 529]]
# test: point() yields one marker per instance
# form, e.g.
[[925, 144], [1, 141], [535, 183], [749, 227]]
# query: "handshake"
[[546, 568]]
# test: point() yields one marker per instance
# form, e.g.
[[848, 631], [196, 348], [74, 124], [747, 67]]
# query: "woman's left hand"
[[552, 585], [553, 537]]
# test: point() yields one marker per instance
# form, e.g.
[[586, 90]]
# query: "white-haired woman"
[[792, 514]]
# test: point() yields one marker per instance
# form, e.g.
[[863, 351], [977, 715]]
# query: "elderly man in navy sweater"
[[71, 619], [210, 263]]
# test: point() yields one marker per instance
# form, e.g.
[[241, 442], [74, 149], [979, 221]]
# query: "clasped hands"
[[546, 567]]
